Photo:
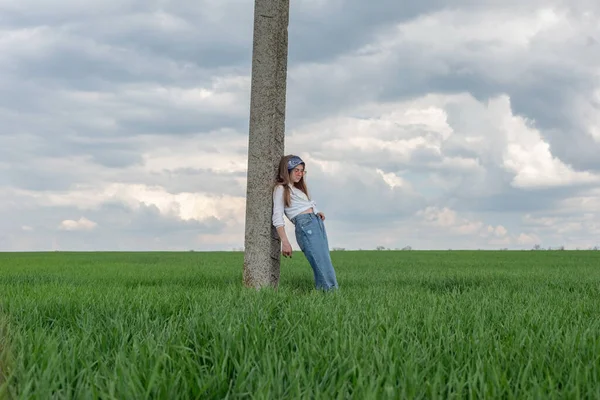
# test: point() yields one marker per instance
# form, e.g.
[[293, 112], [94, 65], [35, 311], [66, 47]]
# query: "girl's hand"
[[286, 249], [321, 215]]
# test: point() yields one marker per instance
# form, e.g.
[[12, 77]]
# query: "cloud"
[[538, 56], [391, 179], [488, 144], [183, 206], [530, 158], [83, 224], [124, 228], [448, 219], [134, 114], [528, 239], [444, 221]]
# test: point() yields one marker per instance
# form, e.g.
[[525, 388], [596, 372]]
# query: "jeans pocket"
[[302, 223], [309, 229]]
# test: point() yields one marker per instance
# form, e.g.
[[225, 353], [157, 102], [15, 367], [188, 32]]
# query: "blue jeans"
[[312, 239]]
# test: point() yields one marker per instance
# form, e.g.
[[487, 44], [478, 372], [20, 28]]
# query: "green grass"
[[404, 325]]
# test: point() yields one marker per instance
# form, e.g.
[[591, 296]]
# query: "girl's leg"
[[313, 243], [304, 238], [327, 269]]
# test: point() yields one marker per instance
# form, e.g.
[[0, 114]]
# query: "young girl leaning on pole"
[[290, 196]]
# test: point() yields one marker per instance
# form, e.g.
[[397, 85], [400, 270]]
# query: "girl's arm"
[[286, 247], [282, 234], [278, 222]]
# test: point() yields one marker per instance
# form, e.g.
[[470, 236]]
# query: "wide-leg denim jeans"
[[312, 239]]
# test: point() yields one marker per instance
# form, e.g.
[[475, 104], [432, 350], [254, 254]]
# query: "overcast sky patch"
[[429, 124]]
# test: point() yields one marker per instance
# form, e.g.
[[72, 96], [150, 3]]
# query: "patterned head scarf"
[[294, 162]]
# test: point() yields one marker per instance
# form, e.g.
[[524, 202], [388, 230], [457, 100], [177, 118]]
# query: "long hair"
[[283, 178]]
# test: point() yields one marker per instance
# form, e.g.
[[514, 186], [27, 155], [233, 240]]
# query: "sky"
[[434, 124]]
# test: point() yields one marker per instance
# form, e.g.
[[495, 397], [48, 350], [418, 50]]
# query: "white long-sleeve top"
[[299, 203]]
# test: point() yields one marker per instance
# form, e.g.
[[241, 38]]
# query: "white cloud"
[[83, 224], [399, 139], [520, 38], [586, 224], [124, 103], [391, 179], [529, 157], [221, 151], [184, 206], [499, 231], [587, 202], [528, 239], [384, 134], [460, 28], [573, 223], [449, 220], [223, 94], [446, 223]]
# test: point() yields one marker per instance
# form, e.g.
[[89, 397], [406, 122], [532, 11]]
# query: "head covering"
[[294, 162]]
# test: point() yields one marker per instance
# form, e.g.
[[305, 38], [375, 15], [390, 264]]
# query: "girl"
[[291, 196]]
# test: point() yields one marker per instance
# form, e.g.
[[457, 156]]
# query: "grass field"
[[404, 325]]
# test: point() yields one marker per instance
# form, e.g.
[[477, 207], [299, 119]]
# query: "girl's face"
[[297, 173]]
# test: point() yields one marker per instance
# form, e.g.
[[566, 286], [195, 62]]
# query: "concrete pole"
[[266, 142]]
